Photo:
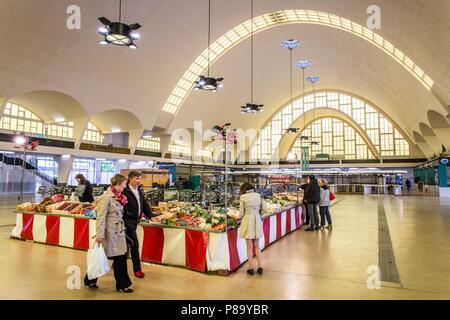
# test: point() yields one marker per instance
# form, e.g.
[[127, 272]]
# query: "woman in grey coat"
[[324, 205], [111, 233]]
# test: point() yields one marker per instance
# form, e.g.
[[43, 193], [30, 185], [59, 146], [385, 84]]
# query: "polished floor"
[[320, 265]]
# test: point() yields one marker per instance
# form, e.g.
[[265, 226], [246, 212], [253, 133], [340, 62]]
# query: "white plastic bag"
[[97, 262]]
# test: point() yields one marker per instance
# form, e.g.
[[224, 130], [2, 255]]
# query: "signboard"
[[280, 179], [322, 157], [107, 167], [41, 190]]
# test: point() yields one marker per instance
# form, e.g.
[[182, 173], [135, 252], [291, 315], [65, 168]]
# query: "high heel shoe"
[[126, 290]]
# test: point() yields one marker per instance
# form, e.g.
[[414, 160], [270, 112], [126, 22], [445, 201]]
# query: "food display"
[[50, 206], [170, 195], [154, 195], [25, 207], [190, 196], [189, 215]]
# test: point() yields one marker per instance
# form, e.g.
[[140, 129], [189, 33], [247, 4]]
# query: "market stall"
[[211, 250], [184, 234]]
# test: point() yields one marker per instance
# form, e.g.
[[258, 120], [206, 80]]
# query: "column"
[[65, 164]]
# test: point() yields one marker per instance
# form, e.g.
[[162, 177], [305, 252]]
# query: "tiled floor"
[[321, 265]]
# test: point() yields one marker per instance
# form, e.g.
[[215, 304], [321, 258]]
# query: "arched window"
[[383, 135], [150, 143], [180, 148], [18, 119], [335, 138], [93, 134], [60, 129]]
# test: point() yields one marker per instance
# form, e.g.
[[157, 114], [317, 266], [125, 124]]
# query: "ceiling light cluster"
[[208, 84], [292, 130], [118, 33], [252, 108], [290, 44]]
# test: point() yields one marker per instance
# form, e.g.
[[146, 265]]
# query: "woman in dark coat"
[[88, 190]]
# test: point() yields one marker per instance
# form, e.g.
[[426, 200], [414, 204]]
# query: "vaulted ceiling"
[[39, 54]]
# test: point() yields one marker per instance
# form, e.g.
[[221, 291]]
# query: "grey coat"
[[110, 225], [324, 198]]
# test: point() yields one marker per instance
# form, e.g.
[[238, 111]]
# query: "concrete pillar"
[[133, 138], [165, 142], [79, 127], [65, 165]]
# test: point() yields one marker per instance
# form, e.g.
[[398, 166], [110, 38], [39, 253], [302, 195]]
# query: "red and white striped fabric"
[[207, 251], [197, 250], [70, 232]]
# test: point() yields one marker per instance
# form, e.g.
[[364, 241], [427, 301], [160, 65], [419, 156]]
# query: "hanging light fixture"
[[291, 45], [303, 64], [118, 33], [208, 83], [252, 107], [313, 80]]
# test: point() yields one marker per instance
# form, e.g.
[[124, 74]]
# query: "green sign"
[[107, 167]]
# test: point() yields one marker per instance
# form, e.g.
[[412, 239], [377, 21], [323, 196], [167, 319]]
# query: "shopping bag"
[[97, 262], [332, 196]]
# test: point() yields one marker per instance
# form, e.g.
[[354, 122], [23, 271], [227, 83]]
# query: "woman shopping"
[[88, 191], [111, 233], [324, 205], [251, 205]]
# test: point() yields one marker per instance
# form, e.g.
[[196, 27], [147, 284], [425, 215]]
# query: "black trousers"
[[123, 281], [133, 244], [306, 214]]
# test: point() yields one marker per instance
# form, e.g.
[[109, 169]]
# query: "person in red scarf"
[[111, 233]]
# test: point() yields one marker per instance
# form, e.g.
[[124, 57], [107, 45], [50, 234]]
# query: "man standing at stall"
[[133, 211], [312, 198]]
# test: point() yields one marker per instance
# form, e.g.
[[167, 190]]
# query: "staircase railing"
[[13, 161]]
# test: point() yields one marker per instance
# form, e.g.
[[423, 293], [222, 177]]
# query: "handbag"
[[332, 196], [97, 262]]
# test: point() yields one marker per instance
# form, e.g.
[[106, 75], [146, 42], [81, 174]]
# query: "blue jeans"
[[325, 212]]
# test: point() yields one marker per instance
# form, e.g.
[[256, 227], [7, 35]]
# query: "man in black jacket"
[[312, 198], [132, 214]]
